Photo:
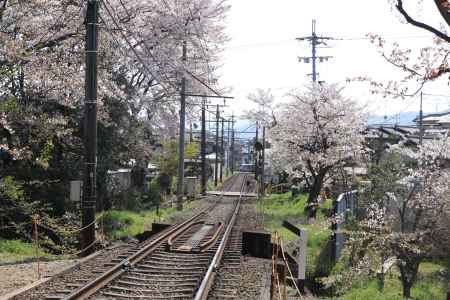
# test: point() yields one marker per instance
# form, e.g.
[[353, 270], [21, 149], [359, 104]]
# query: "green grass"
[[120, 224], [430, 286], [16, 251], [280, 207]]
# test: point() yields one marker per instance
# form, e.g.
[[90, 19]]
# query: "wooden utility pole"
[[180, 181], [90, 131]]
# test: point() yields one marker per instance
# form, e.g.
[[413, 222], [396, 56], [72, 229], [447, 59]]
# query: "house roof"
[[439, 118]]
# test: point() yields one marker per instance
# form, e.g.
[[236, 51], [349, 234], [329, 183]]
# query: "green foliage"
[[153, 196], [121, 224], [280, 207], [11, 189], [168, 158], [191, 150], [430, 286], [15, 251], [384, 176], [46, 153], [10, 105]]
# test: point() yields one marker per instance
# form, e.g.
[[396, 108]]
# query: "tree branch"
[[416, 23], [443, 9]]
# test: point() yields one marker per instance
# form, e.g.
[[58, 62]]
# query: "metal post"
[[221, 152], [203, 148], [90, 130], [216, 162], [180, 182]]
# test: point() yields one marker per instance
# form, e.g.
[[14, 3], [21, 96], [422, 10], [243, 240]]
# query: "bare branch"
[[443, 9], [416, 23]]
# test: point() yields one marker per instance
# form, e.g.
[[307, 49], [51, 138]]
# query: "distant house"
[[435, 121]]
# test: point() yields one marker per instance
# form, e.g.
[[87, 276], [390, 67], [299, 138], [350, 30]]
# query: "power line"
[[130, 45], [349, 38]]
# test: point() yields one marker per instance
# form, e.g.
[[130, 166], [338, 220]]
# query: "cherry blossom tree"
[[429, 63], [316, 132], [263, 114], [140, 68], [408, 207]]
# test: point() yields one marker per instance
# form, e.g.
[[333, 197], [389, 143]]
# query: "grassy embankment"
[[278, 207], [121, 224], [118, 224], [431, 285], [16, 251]]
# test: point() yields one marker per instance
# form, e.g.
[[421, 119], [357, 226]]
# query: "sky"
[[263, 52]]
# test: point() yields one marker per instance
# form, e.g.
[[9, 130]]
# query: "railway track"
[[179, 263]]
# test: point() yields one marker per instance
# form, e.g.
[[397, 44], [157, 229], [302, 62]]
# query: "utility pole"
[[315, 41], [90, 130], [216, 162], [228, 145], [232, 144], [421, 120], [180, 182], [256, 152], [221, 152], [263, 159], [203, 148]]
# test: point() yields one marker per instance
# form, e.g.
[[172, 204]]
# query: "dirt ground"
[[13, 277]]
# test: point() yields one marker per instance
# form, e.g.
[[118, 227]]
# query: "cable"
[[140, 59], [130, 45], [143, 42], [269, 43]]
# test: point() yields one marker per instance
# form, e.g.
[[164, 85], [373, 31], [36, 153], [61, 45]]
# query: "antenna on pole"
[[315, 41]]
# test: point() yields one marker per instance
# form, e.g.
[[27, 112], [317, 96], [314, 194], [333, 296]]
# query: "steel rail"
[[208, 279], [98, 283], [93, 286]]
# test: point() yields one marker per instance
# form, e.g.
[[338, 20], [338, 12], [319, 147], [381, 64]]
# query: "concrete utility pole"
[[228, 145], [90, 130], [221, 152], [315, 41], [263, 159], [203, 148], [180, 182], [232, 144], [256, 153], [421, 120], [216, 162]]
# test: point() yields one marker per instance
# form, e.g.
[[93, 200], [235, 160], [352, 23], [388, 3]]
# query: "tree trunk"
[[408, 272], [314, 192]]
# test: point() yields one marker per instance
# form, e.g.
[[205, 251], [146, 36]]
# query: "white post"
[[302, 259]]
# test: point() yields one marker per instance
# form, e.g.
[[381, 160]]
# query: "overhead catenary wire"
[[116, 23], [144, 65]]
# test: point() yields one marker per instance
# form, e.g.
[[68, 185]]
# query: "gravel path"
[[13, 277]]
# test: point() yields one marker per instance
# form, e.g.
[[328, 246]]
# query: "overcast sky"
[[263, 51]]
